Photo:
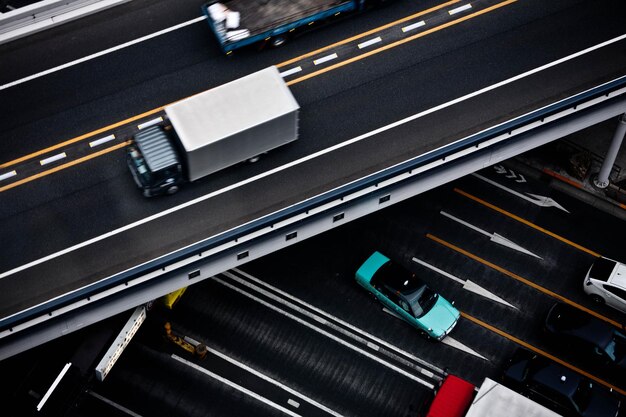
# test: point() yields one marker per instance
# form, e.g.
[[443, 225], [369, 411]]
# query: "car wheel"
[[172, 190], [597, 299]]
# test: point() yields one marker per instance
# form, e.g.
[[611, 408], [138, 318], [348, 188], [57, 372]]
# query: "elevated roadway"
[[438, 137]]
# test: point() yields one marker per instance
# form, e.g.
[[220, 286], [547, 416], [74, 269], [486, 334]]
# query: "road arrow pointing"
[[494, 237], [546, 202], [539, 200], [458, 345], [467, 284], [500, 169], [447, 340]]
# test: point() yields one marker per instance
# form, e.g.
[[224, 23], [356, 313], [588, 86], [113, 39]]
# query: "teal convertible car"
[[405, 295]]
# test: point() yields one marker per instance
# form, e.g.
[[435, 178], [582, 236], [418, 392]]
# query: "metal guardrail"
[[45, 14], [613, 90]]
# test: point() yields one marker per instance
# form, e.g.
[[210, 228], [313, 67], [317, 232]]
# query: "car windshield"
[[421, 300], [602, 268], [140, 164], [412, 291], [582, 396], [616, 349]]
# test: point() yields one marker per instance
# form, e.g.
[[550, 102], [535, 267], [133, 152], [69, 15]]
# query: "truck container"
[[459, 398], [239, 23], [213, 130]]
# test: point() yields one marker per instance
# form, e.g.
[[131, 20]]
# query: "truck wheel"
[[254, 159], [172, 190], [278, 41]]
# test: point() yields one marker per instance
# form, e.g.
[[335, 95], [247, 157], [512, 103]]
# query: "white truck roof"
[[496, 400], [231, 108]]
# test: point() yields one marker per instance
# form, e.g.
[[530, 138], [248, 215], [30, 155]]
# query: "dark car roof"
[[558, 378], [568, 320], [397, 278], [547, 373]]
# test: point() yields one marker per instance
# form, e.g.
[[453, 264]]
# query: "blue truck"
[[240, 23]]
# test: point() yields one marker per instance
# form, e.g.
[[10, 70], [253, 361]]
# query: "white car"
[[605, 282]]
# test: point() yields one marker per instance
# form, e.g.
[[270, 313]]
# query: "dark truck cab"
[[154, 162]]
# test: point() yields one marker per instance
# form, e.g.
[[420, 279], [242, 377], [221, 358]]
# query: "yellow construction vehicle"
[[198, 349]]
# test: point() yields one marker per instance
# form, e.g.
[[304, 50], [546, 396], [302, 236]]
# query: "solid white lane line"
[[325, 333], [273, 381], [101, 53], [53, 158], [291, 71], [7, 175], [325, 59], [413, 26], [311, 156], [460, 9], [348, 325], [150, 123], [236, 386], [101, 141], [370, 42], [113, 404]]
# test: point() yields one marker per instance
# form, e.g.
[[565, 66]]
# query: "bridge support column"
[[601, 180]]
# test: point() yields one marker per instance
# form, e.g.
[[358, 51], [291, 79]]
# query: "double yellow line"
[[305, 77]]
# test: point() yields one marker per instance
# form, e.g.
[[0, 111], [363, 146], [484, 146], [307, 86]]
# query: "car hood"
[[441, 318], [601, 404]]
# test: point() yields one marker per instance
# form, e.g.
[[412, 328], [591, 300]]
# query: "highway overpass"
[[137, 262]]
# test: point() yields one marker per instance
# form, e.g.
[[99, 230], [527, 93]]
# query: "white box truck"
[[456, 397], [232, 123]]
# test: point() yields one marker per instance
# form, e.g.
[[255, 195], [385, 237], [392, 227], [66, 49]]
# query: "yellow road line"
[[522, 280], [364, 34], [153, 111], [63, 166], [311, 75], [79, 138], [539, 351], [526, 222], [400, 42]]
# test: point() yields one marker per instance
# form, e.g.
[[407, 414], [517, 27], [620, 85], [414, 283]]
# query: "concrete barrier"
[[45, 14]]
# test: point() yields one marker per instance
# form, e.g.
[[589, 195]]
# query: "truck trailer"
[[239, 23], [458, 398], [213, 130]]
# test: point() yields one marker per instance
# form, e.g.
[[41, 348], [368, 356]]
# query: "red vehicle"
[[453, 398]]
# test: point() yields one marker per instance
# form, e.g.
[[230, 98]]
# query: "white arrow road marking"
[[494, 237], [547, 201], [447, 340], [467, 284], [537, 199], [460, 346], [502, 170]]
